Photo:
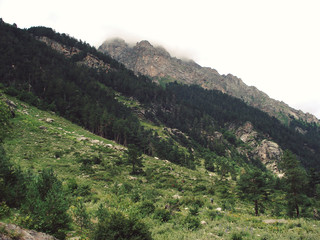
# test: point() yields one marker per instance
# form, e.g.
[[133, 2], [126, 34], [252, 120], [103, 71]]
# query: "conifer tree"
[[134, 157], [295, 179], [253, 186]]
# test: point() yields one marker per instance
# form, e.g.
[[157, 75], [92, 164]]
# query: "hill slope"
[[157, 63], [40, 140], [212, 141], [83, 85]]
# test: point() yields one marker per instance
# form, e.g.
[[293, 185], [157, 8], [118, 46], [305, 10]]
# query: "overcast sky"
[[271, 44]]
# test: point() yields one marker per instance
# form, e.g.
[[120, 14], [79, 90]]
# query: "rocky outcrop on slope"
[[89, 60], [156, 62], [12, 232], [263, 149]]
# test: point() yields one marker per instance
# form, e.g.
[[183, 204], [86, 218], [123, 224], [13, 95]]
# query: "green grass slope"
[[181, 198]]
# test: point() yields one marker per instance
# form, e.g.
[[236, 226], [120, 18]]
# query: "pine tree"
[[134, 157], [253, 186], [295, 179], [46, 205]]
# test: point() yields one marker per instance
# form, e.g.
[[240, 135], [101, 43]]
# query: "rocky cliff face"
[[156, 62], [12, 232], [89, 60], [261, 148]]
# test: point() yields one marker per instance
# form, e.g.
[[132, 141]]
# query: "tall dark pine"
[[296, 180], [253, 186], [134, 158]]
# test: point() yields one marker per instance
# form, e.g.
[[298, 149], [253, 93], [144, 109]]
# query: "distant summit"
[[157, 63]]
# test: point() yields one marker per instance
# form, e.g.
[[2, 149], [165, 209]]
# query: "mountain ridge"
[[157, 63]]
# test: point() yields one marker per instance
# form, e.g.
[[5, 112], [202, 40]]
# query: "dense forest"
[[41, 76]]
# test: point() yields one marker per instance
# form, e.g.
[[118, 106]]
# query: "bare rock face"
[[270, 154], [89, 61], [12, 232], [267, 151], [156, 62]]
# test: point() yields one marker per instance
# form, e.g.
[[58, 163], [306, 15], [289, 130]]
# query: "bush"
[[192, 223], [200, 188], [213, 214], [162, 214], [238, 235], [194, 210], [46, 205], [4, 210], [135, 196], [116, 226], [146, 208]]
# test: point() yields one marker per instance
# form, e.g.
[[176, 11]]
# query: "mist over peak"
[[160, 64]]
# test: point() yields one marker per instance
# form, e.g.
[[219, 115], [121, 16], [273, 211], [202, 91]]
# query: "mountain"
[[56, 72], [156, 62], [89, 150]]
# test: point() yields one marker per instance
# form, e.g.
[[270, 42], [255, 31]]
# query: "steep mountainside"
[[179, 123], [89, 150], [156, 62]]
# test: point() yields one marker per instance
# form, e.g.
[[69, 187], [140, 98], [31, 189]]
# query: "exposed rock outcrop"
[[263, 149], [89, 60], [12, 232], [156, 62]]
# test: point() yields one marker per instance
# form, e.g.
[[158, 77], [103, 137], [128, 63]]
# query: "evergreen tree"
[[253, 186], [295, 179], [46, 205], [134, 157]]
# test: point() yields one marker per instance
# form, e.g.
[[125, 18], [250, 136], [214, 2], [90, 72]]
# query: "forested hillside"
[[187, 149], [39, 75]]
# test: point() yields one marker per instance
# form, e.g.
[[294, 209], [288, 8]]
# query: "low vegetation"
[[102, 193]]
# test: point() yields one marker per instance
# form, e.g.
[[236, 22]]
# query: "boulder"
[[17, 232]]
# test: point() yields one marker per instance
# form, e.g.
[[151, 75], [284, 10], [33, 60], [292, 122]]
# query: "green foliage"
[[80, 214], [224, 167], [192, 223], [194, 210], [162, 214], [114, 225], [80, 190], [4, 210], [253, 185], [4, 120], [46, 205], [214, 214], [238, 235], [295, 179], [12, 181], [225, 192], [134, 158], [146, 208]]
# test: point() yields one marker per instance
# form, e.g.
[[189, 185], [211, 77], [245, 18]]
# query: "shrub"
[[213, 214], [238, 235], [162, 214], [199, 188], [116, 226], [194, 210], [46, 206], [80, 214], [192, 223], [4, 210], [135, 196], [146, 208]]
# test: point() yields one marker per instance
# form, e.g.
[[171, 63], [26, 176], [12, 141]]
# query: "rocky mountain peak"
[[144, 44], [156, 62]]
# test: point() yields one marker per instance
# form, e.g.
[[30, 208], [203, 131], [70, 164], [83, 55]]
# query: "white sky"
[[271, 44]]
